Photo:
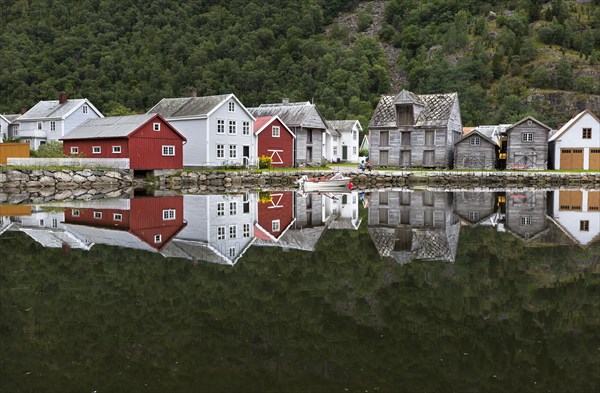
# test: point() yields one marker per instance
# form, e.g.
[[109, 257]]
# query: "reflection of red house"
[[275, 140], [149, 141], [154, 221], [276, 216]]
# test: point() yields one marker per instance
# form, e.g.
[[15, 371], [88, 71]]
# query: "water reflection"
[[405, 225]]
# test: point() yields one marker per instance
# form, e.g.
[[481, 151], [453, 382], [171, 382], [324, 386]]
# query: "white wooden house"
[[343, 208], [343, 140], [576, 145], [219, 129], [50, 120], [577, 214]]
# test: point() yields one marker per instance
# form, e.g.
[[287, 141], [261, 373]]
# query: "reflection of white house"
[[577, 213], [343, 140], [343, 208], [577, 144], [220, 228]]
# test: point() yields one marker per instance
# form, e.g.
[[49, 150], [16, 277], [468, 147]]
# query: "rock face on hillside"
[[547, 103]]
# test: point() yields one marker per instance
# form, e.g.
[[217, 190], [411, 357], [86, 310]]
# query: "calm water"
[[412, 291]]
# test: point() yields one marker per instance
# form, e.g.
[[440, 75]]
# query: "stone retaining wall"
[[15, 179]]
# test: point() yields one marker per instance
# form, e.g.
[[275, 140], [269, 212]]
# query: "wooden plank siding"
[[19, 150], [526, 213], [483, 156], [527, 154], [474, 206]]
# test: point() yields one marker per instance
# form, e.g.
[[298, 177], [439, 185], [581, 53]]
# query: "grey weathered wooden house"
[[414, 225], [478, 149], [410, 130], [310, 128], [526, 213], [476, 207], [527, 146]]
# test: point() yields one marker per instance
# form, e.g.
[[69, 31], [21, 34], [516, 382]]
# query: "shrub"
[[52, 149], [264, 162]]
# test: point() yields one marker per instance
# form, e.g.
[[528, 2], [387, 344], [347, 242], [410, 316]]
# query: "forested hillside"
[[505, 59]]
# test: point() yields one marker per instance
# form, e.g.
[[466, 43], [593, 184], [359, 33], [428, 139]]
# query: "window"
[[75, 212], [220, 233], [405, 138], [84, 109], [117, 217], [96, 149], [15, 130], [41, 223], [42, 143], [246, 230], [221, 209], [116, 149], [232, 208], [232, 127], [169, 214], [74, 150], [232, 252], [52, 126], [168, 150], [246, 128], [54, 223], [275, 131], [231, 107], [525, 220], [220, 126], [354, 135], [384, 138], [98, 215], [232, 151], [586, 133], [232, 231], [309, 136], [157, 238], [475, 141], [156, 126], [584, 225], [429, 138], [473, 216], [39, 125], [335, 150], [527, 137], [275, 226], [220, 151], [353, 149]]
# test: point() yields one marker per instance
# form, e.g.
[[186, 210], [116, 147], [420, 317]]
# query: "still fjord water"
[[387, 291]]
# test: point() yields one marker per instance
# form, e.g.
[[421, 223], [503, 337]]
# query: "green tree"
[[563, 75]]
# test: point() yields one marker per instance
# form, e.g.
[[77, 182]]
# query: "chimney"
[[193, 92], [23, 110], [62, 97], [285, 101]]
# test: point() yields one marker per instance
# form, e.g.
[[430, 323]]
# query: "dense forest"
[[125, 55]]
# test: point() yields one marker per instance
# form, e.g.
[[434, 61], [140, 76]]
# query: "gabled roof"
[[56, 238], [9, 118], [343, 125], [365, 142], [262, 122], [192, 107], [571, 123], [113, 127], [53, 109], [488, 133], [294, 114], [437, 109], [528, 118]]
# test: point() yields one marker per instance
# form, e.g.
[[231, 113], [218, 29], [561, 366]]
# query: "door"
[[571, 158], [383, 157], [595, 159], [344, 152], [570, 200], [405, 158], [309, 155], [428, 158], [246, 155]]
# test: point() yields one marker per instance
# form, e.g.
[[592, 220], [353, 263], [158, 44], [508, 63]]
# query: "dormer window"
[[405, 114]]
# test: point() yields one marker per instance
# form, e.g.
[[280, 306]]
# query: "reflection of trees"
[[501, 318]]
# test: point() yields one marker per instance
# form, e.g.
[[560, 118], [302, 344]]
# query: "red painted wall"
[[86, 217], [281, 208], [285, 142]]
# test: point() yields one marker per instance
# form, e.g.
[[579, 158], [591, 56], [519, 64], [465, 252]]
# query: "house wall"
[[196, 148], [85, 147], [86, 217], [414, 208], [347, 139], [483, 156], [280, 208], [147, 218], [572, 139], [3, 129], [526, 204], [467, 205], [570, 220], [239, 140], [302, 144], [309, 210], [284, 145], [72, 121], [145, 147], [517, 149]]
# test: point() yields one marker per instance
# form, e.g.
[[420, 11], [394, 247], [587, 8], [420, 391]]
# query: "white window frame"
[[39, 125], [246, 230], [74, 150], [97, 215], [232, 208], [275, 131], [116, 149], [233, 148], [246, 128], [96, 149], [117, 217], [84, 109], [232, 127], [275, 225], [231, 106], [54, 223], [52, 126], [155, 126], [354, 135], [353, 149], [220, 126], [221, 233], [475, 141], [168, 151], [525, 220], [527, 137], [232, 251], [75, 212], [233, 231], [474, 216], [220, 208], [169, 214], [335, 150], [157, 238], [220, 151]]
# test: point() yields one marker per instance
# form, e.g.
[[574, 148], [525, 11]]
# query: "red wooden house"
[[275, 140], [275, 216], [146, 223], [148, 141]]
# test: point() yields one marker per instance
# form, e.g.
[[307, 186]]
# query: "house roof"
[[571, 123], [200, 251], [437, 109], [192, 107], [112, 127], [53, 109], [294, 114], [524, 120], [488, 133], [343, 125], [262, 122], [56, 238], [10, 118]]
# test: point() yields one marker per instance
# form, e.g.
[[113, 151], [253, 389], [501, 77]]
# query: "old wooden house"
[[306, 122], [525, 215], [527, 145], [410, 130], [476, 207], [478, 149]]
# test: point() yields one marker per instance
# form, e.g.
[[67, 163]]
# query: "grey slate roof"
[[341, 125], [491, 133], [108, 127], [294, 114], [436, 111], [52, 109], [171, 108], [10, 118]]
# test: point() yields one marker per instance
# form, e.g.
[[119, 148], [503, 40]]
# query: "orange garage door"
[[594, 201], [571, 158], [570, 200], [595, 159]]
